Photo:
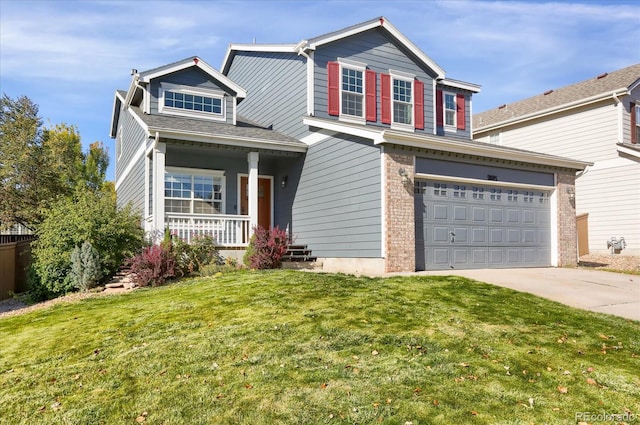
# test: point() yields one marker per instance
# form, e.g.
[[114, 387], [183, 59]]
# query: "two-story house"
[[355, 141], [598, 121]]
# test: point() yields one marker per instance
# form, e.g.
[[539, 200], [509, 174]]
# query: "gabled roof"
[[604, 86], [313, 43]]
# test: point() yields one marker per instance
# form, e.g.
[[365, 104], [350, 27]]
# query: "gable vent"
[[548, 92], [601, 76]]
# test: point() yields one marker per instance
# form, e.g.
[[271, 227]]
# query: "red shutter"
[[371, 96], [333, 78], [385, 89], [634, 129], [419, 105], [439, 113], [460, 111]]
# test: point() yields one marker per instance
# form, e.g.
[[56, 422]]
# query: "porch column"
[[252, 194], [159, 152]]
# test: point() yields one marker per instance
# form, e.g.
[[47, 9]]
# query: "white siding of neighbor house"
[[608, 191]]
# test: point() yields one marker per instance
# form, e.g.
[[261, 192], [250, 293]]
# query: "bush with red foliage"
[[154, 266], [267, 247]]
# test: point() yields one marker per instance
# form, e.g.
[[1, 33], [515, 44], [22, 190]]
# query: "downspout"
[[301, 51]]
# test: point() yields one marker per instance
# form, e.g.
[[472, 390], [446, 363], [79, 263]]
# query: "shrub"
[[191, 257], [114, 233], [266, 248], [85, 267], [153, 266]]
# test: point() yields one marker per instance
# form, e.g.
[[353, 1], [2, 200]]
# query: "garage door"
[[464, 226]]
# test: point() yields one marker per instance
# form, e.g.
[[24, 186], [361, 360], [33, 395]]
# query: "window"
[[352, 92], [494, 139], [478, 193], [459, 191], [512, 195], [402, 101], [191, 101], [496, 194], [188, 193], [440, 189], [449, 109]]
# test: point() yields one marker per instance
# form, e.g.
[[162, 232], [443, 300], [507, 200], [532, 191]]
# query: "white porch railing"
[[227, 230]]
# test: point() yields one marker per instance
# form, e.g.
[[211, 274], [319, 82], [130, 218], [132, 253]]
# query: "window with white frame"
[[193, 193], [352, 91], [192, 101], [494, 138], [637, 124], [402, 101], [450, 110]]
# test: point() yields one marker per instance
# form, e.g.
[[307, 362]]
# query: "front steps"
[[122, 280], [298, 257]]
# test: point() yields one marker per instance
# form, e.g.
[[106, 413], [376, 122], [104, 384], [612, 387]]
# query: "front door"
[[264, 200]]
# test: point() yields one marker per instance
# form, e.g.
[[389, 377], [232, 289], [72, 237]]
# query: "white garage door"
[[464, 226]]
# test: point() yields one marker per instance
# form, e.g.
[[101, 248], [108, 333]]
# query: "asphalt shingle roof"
[[605, 83], [244, 129]]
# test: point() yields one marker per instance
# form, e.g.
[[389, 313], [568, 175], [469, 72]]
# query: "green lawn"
[[288, 347]]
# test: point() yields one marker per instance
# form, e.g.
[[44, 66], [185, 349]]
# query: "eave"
[[381, 136], [553, 110]]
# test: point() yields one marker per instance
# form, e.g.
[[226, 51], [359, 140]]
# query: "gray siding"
[[131, 187], [276, 89], [192, 77], [337, 208], [481, 171], [381, 55]]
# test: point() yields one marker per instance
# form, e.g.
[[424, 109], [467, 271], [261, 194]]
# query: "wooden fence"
[[15, 257]]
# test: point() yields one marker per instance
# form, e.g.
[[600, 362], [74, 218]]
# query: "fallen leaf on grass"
[[562, 390], [142, 417], [389, 401], [323, 385], [603, 336], [374, 353], [55, 406], [436, 402], [376, 405], [464, 364], [591, 381], [590, 369], [42, 408], [248, 386], [474, 413], [417, 390]]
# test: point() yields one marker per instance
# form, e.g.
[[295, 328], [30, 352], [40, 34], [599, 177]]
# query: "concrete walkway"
[[594, 290]]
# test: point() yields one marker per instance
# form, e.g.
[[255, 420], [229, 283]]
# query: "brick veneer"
[[567, 232], [399, 213]]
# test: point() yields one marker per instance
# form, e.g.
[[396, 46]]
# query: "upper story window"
[[450, 110], [189, 192], [494, 139], [352, 92], [402, 101], [191, 101], [637, 112]]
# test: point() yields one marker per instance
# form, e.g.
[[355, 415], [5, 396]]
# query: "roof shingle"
[[605, 83]]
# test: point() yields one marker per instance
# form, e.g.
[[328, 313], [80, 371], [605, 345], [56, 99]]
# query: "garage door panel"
[[473, 226]]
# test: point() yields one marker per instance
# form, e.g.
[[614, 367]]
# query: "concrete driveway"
[[594, 290]]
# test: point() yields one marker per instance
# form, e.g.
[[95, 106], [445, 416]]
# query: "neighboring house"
[[355, 142], [597, 120]]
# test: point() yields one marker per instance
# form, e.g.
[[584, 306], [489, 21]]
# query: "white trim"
[[235, 111], [409, 78], [147, 76], [146, 101], [239, 47], [553, 110], [553, 224], [212, 94], [342, 127], [359, 67], [374, 23], [451, 128], [119, 144], [260, 176], [116, 98], [435, 114], [192, 172], [317, 136], [224, 139], [627, 151], [147, 162], [383, 206], [311, 63], [475, 88], [138, 120], [467, 180], [159, 153], [132, 162]]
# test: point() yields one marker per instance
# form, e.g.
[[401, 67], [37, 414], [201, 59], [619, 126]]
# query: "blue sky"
[[70, 56]]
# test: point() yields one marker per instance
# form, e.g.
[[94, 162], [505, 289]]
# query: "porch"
[[230, 231]]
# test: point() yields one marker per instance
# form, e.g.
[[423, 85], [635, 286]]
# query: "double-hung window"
[[450, 110], [402, 98], [352, 90], [192, 101], [189, 192], [637, 112]]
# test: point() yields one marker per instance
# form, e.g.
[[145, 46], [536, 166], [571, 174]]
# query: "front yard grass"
[[288, 347]]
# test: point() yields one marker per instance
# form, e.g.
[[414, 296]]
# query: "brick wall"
[[399, 213], [567, 232]]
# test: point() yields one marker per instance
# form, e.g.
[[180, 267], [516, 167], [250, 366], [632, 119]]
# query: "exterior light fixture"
[[405, 176], [572, 194], [284, 181]]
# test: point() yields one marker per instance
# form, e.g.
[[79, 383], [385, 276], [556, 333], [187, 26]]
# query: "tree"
[[39, 165]]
